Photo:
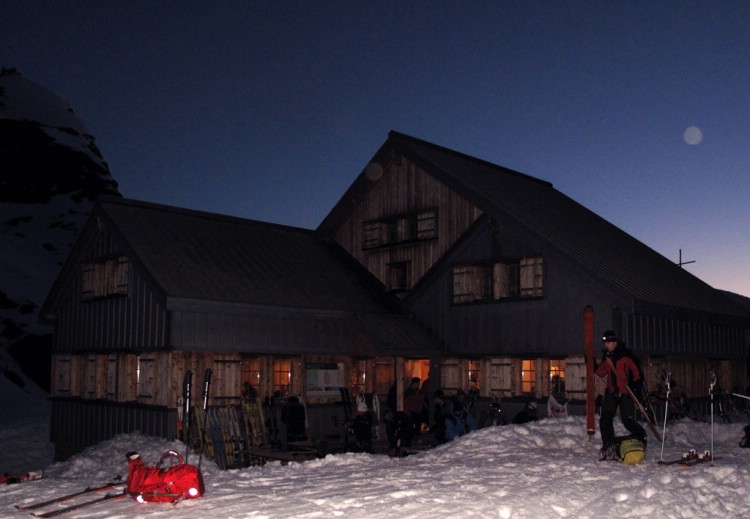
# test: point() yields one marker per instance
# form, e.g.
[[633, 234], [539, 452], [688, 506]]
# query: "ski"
[[10, 479], [187, 384], [588, 332], [689, 459], [272, 422], [646, 417], [87, 490], [204, 440], [78, 506]]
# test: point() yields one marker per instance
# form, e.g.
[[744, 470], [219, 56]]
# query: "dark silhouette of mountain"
[[50, 174]]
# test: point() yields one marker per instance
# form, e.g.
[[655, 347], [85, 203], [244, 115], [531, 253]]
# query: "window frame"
[[509, 279], [106, 277], [413, 227]]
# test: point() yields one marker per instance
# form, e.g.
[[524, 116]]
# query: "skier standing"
[[621, 371]]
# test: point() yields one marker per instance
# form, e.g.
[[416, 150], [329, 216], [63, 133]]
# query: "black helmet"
[[609, 336]]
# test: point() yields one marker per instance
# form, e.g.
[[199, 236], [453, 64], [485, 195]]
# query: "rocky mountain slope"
[[50, 173]]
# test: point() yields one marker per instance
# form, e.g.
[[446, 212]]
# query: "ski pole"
[[711, 392], [186, 412], [666, 410], [207, 379]]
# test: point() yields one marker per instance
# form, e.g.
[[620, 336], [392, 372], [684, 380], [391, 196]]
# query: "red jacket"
[[621, 371]]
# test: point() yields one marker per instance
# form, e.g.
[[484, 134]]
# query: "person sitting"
[[439, 412], [361, 425], [458, 422], [527, 414]]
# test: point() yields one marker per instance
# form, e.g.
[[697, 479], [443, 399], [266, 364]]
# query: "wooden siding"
[[136, 321], [404, 189], [700, 336], [76, 424]]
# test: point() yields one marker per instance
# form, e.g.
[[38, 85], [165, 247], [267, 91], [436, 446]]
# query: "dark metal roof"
[[307, 288], [202, 256], [614, 257]]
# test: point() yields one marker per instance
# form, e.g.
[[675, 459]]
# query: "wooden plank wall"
[[405, 189]]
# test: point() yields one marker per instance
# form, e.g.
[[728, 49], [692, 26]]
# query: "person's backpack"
[[158, 484], [630, 451]]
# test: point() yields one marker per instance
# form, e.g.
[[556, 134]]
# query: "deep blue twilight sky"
[[269, 109]]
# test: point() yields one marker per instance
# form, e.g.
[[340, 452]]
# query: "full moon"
[[693, 135]]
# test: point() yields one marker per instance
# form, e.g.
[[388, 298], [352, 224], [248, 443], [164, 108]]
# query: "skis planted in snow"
[[588, 335], [187, 384], [59, 499], [206, 389], [106, 497], [272, 422]]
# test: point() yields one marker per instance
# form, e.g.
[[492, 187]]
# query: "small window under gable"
[[399, 229], [104, 278], [427, 224], [375, 234], [398, 276]]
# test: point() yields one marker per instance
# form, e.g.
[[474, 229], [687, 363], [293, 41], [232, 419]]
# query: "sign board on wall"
[[324, 378]]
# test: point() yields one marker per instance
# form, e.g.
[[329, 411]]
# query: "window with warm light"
[[528, 375], [474, 376], [250, 377], [358, 377], [282, 376], [557, 376]]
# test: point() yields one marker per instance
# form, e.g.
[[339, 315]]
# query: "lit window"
[[474, 376], [282, 376], [528, 376], [557, 376], [359, 377], [250, 377]]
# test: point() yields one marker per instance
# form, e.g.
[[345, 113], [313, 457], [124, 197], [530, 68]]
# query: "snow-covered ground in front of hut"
[[544, 469]]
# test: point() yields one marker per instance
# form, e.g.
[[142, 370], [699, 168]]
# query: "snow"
[[543, 469], [24, 100]]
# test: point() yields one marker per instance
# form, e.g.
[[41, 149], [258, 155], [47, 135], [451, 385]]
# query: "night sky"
[[269, 110]]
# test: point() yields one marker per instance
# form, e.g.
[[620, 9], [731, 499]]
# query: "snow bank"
[[543, 469]]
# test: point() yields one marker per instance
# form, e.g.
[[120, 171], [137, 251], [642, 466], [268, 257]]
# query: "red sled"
[[163, 484]]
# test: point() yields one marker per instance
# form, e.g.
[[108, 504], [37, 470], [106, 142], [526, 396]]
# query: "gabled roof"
[[197, 256], [210, 263], [609, 254]]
